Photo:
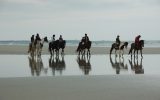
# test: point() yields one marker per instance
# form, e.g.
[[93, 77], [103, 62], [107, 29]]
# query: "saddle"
[[117, 46]]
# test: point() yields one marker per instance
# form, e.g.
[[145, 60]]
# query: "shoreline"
[[69, 50]]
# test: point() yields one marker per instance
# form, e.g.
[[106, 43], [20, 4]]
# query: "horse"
[[36, 49], [56, 45], [82, 46], [136, 48], [120, 48]]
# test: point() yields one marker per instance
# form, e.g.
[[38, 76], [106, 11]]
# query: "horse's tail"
[[111, 49], [50, 47], [130, 51], [78, 47], [90, 42]]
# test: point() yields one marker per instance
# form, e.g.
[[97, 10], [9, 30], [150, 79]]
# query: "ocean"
[[103, 43]]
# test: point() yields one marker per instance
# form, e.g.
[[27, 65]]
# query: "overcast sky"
[[100, 19]]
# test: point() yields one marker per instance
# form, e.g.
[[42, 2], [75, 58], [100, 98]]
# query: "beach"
[[70, 77], [70, 50], [111, 87]]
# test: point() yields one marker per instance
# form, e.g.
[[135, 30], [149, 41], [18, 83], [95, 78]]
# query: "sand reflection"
[[84, 64]]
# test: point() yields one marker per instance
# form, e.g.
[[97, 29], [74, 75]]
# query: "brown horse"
[[55, 46], [116, 47], [83, 46], [136, 48]]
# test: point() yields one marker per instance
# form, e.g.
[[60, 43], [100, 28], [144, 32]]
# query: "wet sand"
[[69, 50], [73, 78], [111, 87], [73, 65]]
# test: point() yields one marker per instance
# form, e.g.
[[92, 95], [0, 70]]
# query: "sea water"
[[102, 43]]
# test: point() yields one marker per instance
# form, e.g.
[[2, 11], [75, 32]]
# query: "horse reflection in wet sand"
[[36, 66], [120, 48], [57, 64], [84, 64], [136, 48], [118, 65], [136, 66]]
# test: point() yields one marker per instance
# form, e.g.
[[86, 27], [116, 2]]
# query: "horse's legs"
[[134, 52], [141, 53], [79, 52], [111, 50], [84, 51], [119, 53], [88, 52], [57, 52], [130, 52], [137, 53], [122, 52], [62, 52], [116, 52]]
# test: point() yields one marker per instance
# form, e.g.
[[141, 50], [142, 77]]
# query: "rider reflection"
[[136, 66], [57, 64], [84, 64], [118, 64]]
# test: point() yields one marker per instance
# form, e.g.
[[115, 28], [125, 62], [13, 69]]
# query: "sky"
[[100, 19]]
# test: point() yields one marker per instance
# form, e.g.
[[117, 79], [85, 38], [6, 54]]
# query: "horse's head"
[[141, 43], [126, 44], [45, 39]]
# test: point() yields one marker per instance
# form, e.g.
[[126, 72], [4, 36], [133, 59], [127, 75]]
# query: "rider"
[[60, 38], [53, 38], [86, 38], [137, 40], [37, 38], [118, 42], [30, 45], [32, 38]]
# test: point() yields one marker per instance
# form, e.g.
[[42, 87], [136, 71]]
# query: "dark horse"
[[56, 45], [136, 48], [82, 46], [116, 47]]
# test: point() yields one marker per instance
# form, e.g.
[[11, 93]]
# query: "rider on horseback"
[[38, 39], [118, 42], [137, 39], [86, 38], [60, 38], [32, 39], [30, 45], [53, 38]]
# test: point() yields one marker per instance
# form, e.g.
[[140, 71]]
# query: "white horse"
[[36, 49], [39, 46]]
